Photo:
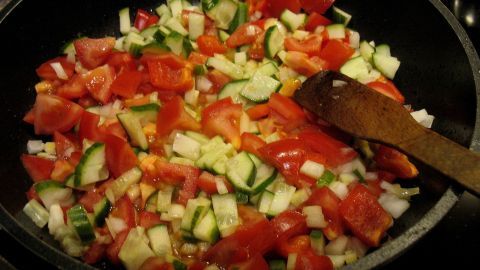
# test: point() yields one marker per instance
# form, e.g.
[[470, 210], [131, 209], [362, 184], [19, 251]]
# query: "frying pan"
[[440, 72]]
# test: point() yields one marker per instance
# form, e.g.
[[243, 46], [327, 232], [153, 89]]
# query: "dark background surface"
[[455, 241]]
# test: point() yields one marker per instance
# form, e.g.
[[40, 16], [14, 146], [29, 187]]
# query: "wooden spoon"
[[367, 114]]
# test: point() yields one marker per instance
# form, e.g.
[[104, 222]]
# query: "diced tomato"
[[65, 146], [172, 116], [46, 72], [288, 224], [94, 253], [319, 6], [206, 182], [89, 199], [222, 117], [251, 143], [312, 45], [364, 216], [314, 20], [257, 50], [388, 89], [93, 52], [218, 80], [256, 5], [244, 34], [137, 101], [144, 19], [245, 243], [29, 117], [310, 261], [210, 28], [113, 127], [119, 155], [386, 176], [197, 58], [121, 61], [126, 83], [393, 161], [303, 64], [255, 263], [125, 210], [335, 152], [329, 202], [53, 113], [249, 215], [276, 7], [210, 45], [296, 244], [267, 126], [37, 167], [156, 263], [88, 128], [62, 169], [175, 174], [73, 88], [258, 111], [287, 155], [98, 82], [87, 101], [148, 219], [288, 109], [169, 72], [32, 194], [336, 53], [374, 187], [114, 248]]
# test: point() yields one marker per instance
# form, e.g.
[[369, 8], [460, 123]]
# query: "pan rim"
[[375, 259]]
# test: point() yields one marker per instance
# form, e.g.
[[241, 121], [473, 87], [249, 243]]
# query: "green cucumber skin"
[[78, 216], [83, 160]]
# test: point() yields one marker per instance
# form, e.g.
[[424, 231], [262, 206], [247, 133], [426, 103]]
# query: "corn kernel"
[[289, 87]]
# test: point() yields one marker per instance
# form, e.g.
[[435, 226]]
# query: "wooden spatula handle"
[[447, 157]]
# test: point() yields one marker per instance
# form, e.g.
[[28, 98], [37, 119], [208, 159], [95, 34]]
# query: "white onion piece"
[[115, 225], [393, 205], [338, 83], [221, 187], [35, 146], [55, 220], [203, 84], [371, 176], [358, 246], [57, 67], [339, 188], [423, 118], [337, 246], [314, 217]]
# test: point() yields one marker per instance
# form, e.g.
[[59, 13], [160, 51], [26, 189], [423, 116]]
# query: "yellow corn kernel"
[[50, 148], [289, 87], [44, 86], [150, 129]]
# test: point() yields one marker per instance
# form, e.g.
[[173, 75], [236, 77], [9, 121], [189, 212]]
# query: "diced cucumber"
[[124, 15], [242, 198], [372, 76], [273, 41], [226, 213], [212, 144], [182, 161], [155, 47], [265, 176], [291, 261], [383, 49], [355, 67], [233, 89], [176, 7], [174, 41], [281, 199], [135, 250], [326, 179], [223, 37], [317, 242], [164, 31], [120, 186], [277, 265], [146, 113], [340, 16], [151, 202], [240, 58], [208, 160], [273, 137], [149, 32], [265, 201], [366, 50], [194, 212], [37, 213], [174, 25], [186, 147], [291, 20], [159, 240], [196, 25], [300, 196], [207, 229], [260, 87], [100, 211], [387, 65], [241, 171], [200, 138], [92, 166], [335, 31], [270, 68], [164, 199], [221, 11], [162, 10], [225, 66], [53, 192], [241, 17], [257, 161], [78, 218], [132, 126], [220, 166]]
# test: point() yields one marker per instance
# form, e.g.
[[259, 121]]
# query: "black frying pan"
[[439, 71]]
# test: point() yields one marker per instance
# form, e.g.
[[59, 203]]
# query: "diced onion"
[[191, 97], [402, 193], [176, 210], [423, 118], [35, 146], [115, 225], [337, 246], [57, 67], [188, 249], [393, 205], [56, 219], [133, 192], [358, 246], [312, 169], [350, 256], [337, 260], [291, 261], [339, 188], [338, 83], [203, 84], [354, 39], [371, 176], [71, 57], [221, 187], [315, 218]]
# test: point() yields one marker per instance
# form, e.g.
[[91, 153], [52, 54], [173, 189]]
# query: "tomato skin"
[[126, 83], [38, 168], [89, 199], [314, 20], [119, 155], [148, 219], [32, 194], [218, 79], [303, 64], [256, 5], [114, 248], [125, 210], [249, 215], [143, 19], [121, 61], [330, 203], [244, 34], [257, 50], [296, 244], [206, 182], [53, 113], [73, 88], [336, 53], [169, 72], [251, 143], [197, 58], [156, 263], [222, 117], [333, 150], [276, 7], [288, 224], [172, 116], [65, 145], [310, 261], [93, 52], [98, 82], [46, 72], [88, 128], [364, 216], [288, 109], [388, 89], [62, 169], [210, 45], [94, 253], [393, 161], [255, 263], [258, 111], [311, 45], [319, 6]]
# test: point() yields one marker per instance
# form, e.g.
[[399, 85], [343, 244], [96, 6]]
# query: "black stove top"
[[455, 240]]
